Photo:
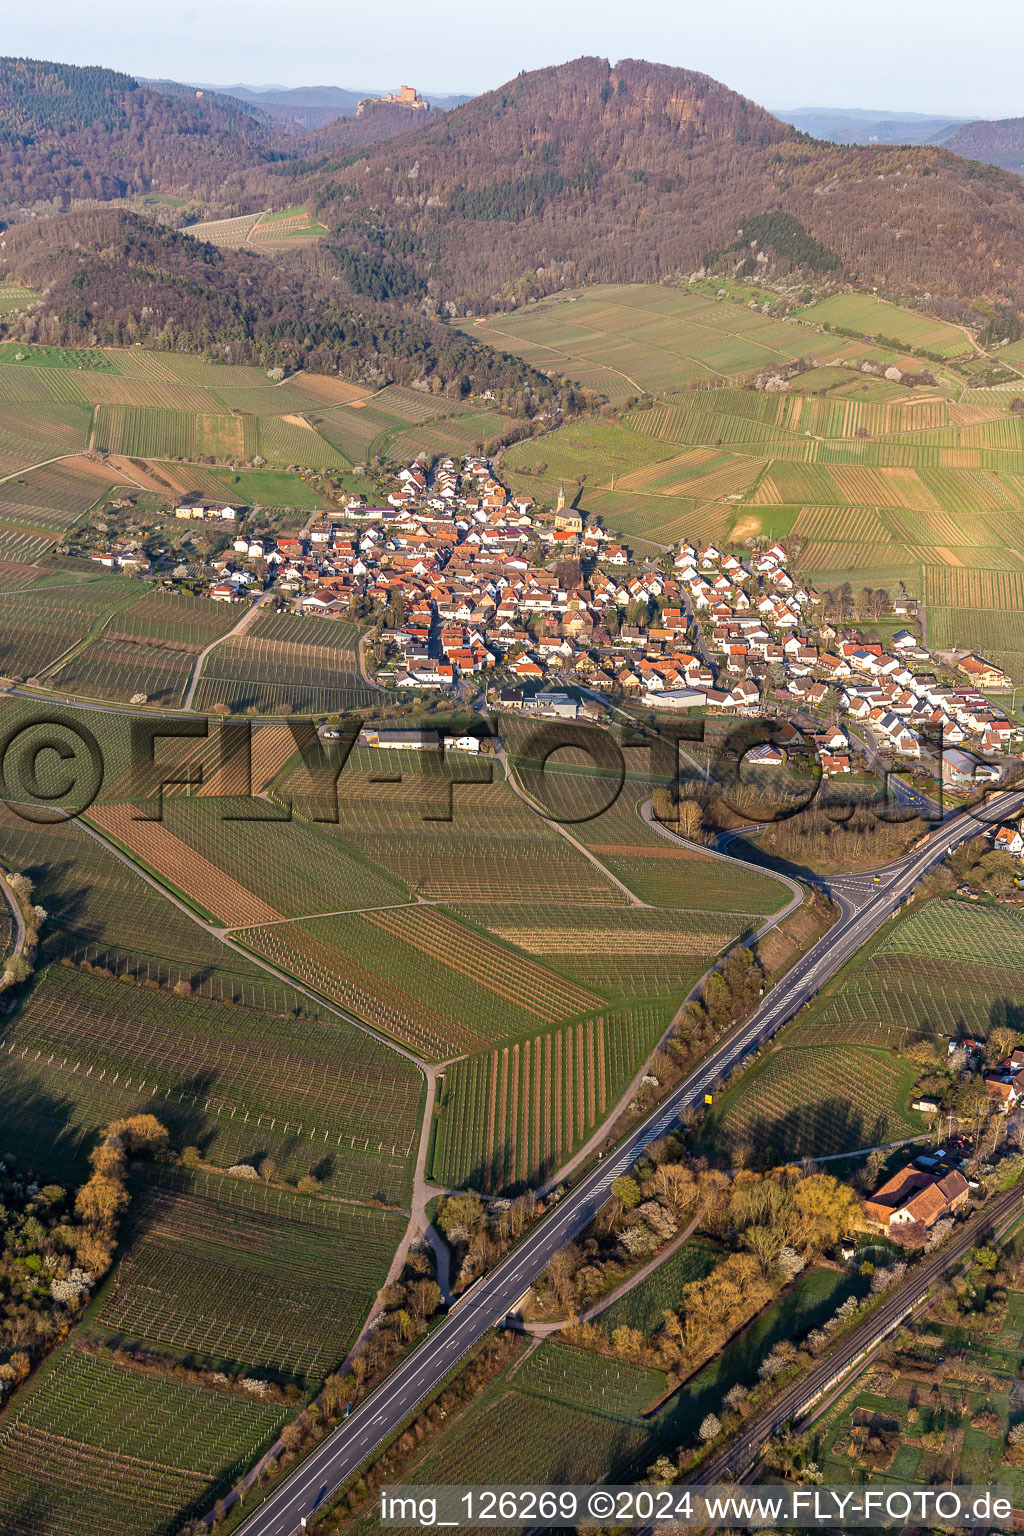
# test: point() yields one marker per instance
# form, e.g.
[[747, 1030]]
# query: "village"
[[476, 591]]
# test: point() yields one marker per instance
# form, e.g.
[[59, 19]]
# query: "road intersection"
[[495, 1295]]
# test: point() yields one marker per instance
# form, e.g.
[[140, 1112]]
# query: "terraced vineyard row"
[[814, 1100], [93, 1446], [621, 951], [212, 1265], [510, 1117], [232, 1077]]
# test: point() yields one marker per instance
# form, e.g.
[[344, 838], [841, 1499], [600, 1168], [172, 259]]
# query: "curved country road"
[[496, 1294]]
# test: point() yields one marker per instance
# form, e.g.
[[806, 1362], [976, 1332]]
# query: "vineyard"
[[665, 875], [102, 912], [620, 951], [509, 1118], [287, 662], [117, 669], [698, 472], [208, 888], [319, 1095], [422, 977], [949, 969], [493, 849], [982, 629], [810, 1101], [291, 440], [848, 524], [644, 1306], [978, 936], [295, 867], [285, 228], [37, 626], [143, 648], [973, 588], [875, 317], [55, 495], [149, 432], [231, 233], [175, 616], [565, 1413], [94, 1449], [114, 389], [211, 1266], [529, 987], [421, 1026]]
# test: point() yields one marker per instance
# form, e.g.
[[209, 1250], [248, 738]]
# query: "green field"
[[948, 969], [39, 625], [510, 1117], [835, 1082], [565, 1414], [287, 663], [875, 317], [810, 1101], [12, 297], [627, 340], [238, 1083], [23, 354], [271, 488], [644, 1306], [211, 1265], [94, 1449]]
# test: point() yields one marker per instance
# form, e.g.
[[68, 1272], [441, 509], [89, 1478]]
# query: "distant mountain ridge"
[[998, 142], [994, 141], [308, 106], [88, 133], [580, 173], [856, 125]]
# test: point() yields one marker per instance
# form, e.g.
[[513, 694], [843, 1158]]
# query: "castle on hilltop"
[[407, 97]]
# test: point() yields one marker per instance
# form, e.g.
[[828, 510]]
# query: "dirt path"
[[420, 1229], [19, 921], [243, 624], [513, 784], [543, 1330], [371, 682], [253, 227], [595, 1141], [27, 468]]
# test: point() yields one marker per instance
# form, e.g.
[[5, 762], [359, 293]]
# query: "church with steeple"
[[567, 520]]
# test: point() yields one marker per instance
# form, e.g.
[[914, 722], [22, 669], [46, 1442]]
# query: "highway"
[[863, 910]]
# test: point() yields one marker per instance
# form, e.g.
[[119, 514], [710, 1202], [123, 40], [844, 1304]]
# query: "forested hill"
[[590, 172], [1000, 142], [87, 133], [112, 278]]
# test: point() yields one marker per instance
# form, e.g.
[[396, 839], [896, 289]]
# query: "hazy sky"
[[915, 55]]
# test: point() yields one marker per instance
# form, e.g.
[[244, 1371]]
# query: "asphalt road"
[[495, 1295]]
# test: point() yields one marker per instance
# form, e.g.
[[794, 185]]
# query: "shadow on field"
[[809, 1130]]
